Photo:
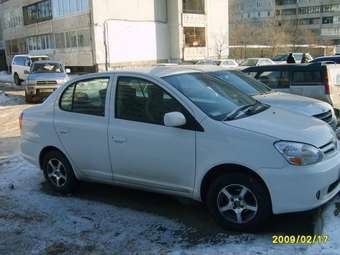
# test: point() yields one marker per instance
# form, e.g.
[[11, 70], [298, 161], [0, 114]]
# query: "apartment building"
[[99, 34], [320, 16], [250, 10]]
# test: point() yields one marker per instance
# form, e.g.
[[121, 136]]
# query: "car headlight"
[[299, 154], [62, 81]]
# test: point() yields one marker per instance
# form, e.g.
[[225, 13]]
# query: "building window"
[[194, 36], [83, 38], [41, 42], [37, 12], [193, 6], [62, 8], [71, 39], [60, 40], [327, 20]]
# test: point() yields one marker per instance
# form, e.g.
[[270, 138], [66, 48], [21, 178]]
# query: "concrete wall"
[[217, 26], [136, 31]]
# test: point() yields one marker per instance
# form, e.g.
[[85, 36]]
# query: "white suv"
[[179, 131], [21, 65]]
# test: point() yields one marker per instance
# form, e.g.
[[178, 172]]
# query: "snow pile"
[[36, 221], [6, 100], [331, 229], [5, 77]]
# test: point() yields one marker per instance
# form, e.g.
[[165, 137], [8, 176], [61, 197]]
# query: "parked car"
[[179, 131], [22, 63], [317, 80], [256, 62], [282, 59], [218, 62], [43, 78], [261, 92], [335, 59]]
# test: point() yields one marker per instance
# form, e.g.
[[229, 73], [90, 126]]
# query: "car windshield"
[[298, 56], [280, 58], [216, 98], [47, 68], [208, 62], [243, 82], [249, 62], [35, 59], [229, 62]]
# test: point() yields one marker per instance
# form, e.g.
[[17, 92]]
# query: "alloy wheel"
[[237, 204], [56, 172]]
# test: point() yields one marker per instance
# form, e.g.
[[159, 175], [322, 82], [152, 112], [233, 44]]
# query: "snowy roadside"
[[5, 77], [33, 221]]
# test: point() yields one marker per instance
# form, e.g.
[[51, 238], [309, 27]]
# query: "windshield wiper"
[[236, 112]]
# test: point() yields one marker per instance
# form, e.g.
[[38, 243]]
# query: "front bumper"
[[295, 189], [42, 90]]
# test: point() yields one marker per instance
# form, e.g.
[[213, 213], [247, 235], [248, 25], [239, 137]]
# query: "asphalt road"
[[190, 213]]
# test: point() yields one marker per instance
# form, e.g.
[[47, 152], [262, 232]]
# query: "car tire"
[[239, 202], [28, 98], [59, 173], [17, 80]]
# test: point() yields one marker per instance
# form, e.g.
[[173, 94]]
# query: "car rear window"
[[303, 77]]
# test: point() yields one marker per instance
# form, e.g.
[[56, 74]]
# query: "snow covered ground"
[[5, 77], [34, 220]]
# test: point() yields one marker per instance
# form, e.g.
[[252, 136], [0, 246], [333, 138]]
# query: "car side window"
[[86, 97], [19, 61], [143, 101], [305, 77], [274, 79]]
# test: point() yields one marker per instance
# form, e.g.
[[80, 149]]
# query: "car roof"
[[48, 62], [156, 71], [287, 67], [31, 56], [329, 57], [208, 68]]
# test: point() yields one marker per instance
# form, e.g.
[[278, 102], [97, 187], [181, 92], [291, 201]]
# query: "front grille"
[[326, 116], [46, 82], [329, 148]]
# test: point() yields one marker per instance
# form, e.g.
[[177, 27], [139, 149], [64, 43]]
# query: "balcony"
[[194, 53], [194, 20]]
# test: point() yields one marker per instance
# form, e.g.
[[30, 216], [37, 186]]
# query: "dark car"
[[316, 80], [334, 59]]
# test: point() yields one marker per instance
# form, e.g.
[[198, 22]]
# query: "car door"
[[81, 121], [144, 152], [308, 83], [17, 66], [25, 68], [276, 80]]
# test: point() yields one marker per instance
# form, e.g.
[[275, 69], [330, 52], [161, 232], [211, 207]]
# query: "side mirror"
[[68, 70], [27, 72], [174, 119]]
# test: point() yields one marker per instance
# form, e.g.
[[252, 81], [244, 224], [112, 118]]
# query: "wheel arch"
[[219, 170], [48, 149]]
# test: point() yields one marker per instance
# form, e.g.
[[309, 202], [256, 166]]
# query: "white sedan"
[[179, 131]]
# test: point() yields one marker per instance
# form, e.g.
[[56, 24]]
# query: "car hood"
[[299, 104], [288, 126], [47, 76]]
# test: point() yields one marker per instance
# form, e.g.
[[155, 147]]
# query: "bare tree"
[[221, 45], [275, 34]]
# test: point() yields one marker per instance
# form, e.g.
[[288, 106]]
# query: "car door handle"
[[63, 132], [119, 139]]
